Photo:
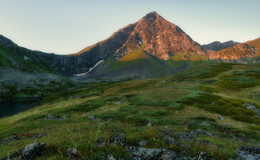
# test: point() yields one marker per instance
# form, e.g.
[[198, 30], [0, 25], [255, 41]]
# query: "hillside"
[[216, 46], [23, 73], [150, 48], [135, 65], [194, 113], [247, 52]]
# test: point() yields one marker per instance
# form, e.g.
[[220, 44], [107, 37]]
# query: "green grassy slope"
[[186, 101], [24, 60], [136, 64]]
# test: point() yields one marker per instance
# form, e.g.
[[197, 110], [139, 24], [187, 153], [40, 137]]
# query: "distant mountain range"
[[216, 46], [144, 49]]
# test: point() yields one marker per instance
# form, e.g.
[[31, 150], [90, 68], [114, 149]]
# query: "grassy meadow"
[[208, 96]]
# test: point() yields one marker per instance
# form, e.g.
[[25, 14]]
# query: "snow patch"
[[90, 69], [116, 51], [26, 58]]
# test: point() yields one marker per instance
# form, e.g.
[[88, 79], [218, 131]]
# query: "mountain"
[[247, 52], [216, 46], [156, 37], [149, 48], [256, 45], [24, 72], [160, 38], [135, 65]]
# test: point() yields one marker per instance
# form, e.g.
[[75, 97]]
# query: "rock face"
[[30, 152], [237, 52], [216, 46], [139, 153], [248, 153], [160, 37]]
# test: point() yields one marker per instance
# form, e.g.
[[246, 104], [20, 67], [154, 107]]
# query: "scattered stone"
[[91, 117], [79, 96], [14, 144], [203, 156], [119, 102], [38, 135], [100, 142], [52, 117], [30, 152], [72, 153], [13, 138], [109, 120], [170, 140], [194, 134], [142, 143], [253, 108], [221, 117], [16, 138], [140, 153], [116, 140], [143, 153], [248, 153], [110, 157], [85, 114], [149, 122], [227, 124], [167, 155], [205, 142]]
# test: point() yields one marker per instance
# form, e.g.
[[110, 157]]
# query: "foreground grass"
[[191, 100]]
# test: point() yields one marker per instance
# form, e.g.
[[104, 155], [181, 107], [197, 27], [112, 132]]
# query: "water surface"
[[14, 106]]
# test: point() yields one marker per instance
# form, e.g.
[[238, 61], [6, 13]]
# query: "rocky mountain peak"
[[151, 16], [160, 37], [156, 35]]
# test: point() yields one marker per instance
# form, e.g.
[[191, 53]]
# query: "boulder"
[[142, 143], [117, 140], [248, 153], [72, 153], [30, 152], [140, 153], [110, 157], [100, 142]]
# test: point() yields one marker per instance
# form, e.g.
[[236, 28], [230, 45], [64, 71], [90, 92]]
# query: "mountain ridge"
[[160, 38], [216, 45]]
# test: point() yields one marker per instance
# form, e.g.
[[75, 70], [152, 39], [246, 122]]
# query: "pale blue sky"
[[67, 26]]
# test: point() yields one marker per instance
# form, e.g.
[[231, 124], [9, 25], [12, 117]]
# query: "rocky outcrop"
[[30, 152], [140, 153], [248, 153]]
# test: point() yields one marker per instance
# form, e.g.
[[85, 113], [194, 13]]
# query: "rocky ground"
[[14, 81]]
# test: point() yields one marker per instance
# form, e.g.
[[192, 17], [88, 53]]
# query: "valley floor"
[[210, 107]]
